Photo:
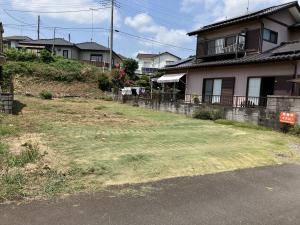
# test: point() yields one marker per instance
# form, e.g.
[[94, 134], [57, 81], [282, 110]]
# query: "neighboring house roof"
[[146, 56], [92, 46], [57, 42], [181, 62], [288, 47], [151, 56], [280, 53], [246, 17], [17, 38]]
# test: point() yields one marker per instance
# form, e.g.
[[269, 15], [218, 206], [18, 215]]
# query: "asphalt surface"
[[264, 196]]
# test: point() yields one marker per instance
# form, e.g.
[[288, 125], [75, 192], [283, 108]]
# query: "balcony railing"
[[216, 50]]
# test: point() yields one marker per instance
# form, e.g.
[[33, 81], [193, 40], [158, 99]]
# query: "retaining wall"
[[268, 116]]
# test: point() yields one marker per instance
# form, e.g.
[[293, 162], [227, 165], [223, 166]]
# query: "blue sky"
[[165, 21]]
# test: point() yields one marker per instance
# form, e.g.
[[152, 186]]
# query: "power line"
[[50, 12], [153, 41]]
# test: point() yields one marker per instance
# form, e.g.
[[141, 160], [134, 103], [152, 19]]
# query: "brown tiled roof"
[[275, 55], [246, 17], [288, 47]]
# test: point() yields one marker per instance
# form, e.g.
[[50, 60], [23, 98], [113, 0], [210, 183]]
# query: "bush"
[[46, 56], [208, 115], [20, 55], [46, 95], [104, 82], [295, 130]]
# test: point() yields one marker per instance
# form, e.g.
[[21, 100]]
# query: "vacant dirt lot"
[[85, 145]]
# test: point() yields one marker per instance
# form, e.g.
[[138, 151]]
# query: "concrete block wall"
[[268, 116], [6, 101]]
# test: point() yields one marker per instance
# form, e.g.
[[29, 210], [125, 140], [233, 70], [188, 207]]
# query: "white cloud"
[[100, 16], [145, 24]]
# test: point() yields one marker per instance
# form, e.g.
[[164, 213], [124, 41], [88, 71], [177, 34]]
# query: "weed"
[[30, 155], [7, 129], [295, 130], [46, 95], [54, 183], [100, 107], [12, 185]]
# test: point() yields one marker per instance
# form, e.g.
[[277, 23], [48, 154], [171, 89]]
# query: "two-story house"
[[90, 52], [151, 63], [244, 59]]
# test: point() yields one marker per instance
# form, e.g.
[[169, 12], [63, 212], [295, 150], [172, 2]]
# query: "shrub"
[[207, 115], [46, 56], [104, 82], [295, 130], [196, 100], [46, 95], [30, 155], [20, 55]]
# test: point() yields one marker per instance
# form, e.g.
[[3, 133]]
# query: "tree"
[[130, 66], [46, 56]]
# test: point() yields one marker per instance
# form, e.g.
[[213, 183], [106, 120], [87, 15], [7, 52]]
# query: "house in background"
[[242, 60], [97, 54], [13, 41], [151, 63], [90, 52]]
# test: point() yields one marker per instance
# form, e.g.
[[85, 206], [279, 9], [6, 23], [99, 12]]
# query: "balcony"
[[224, 46], [148, 70]]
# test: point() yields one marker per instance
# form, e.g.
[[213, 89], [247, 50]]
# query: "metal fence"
[[222, 100]]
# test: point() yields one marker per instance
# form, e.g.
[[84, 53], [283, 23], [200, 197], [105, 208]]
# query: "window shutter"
[[253, 40], [227, 90], [200, 48]]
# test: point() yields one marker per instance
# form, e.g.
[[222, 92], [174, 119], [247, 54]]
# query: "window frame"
[[67, 51], [98, 56], [271, 32]]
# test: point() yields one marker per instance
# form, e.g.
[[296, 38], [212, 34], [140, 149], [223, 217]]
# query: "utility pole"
[[111, 34], [92, 24], [69, 37], [53, 45], [39, 24]]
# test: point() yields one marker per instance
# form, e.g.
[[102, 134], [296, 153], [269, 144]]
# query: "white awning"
[[171, 78]]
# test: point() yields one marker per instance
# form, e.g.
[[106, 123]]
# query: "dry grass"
[[93, 143]]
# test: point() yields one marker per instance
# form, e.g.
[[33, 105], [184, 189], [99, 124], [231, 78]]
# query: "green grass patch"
[[100, 107], [242, 125], [12, 185]]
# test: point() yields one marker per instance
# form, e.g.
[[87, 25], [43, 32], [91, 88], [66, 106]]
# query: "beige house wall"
[[241, 73]]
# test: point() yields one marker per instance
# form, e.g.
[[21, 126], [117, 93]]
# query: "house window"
[[270, 36], [212, 90], [169, 62], [96, 58], [66, 54]]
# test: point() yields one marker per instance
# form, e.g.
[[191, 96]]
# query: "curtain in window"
[[220, 44], [254, 90], [217, 91]]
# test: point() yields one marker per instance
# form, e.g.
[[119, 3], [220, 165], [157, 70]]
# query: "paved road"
[[264, 196]]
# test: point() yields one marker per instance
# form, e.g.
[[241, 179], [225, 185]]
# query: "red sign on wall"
[[288, 117]]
